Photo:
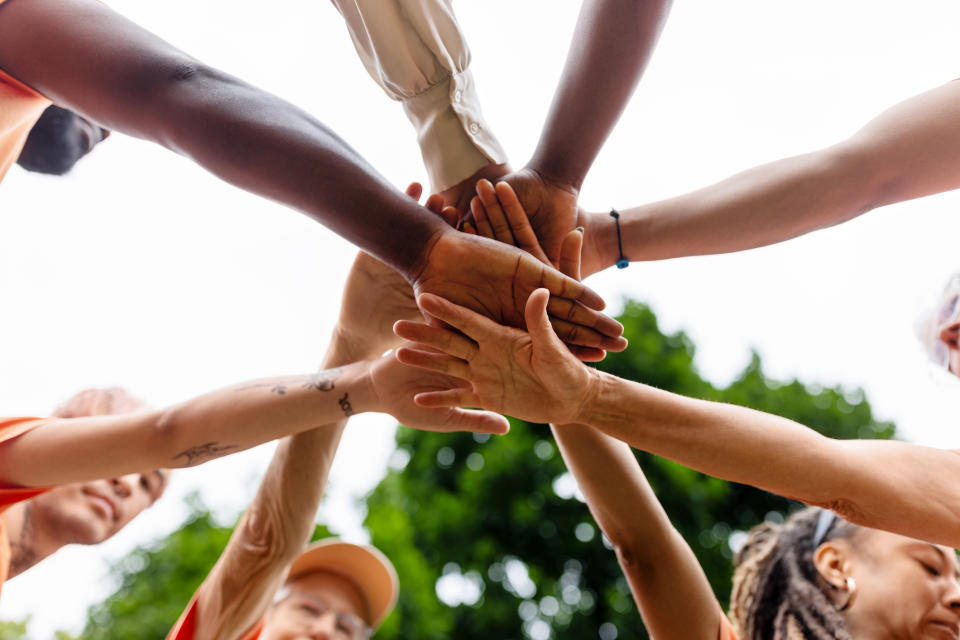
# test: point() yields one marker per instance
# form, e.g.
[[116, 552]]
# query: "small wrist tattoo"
[[345, 405]]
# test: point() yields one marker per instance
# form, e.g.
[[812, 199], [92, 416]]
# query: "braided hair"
[[777, 594]]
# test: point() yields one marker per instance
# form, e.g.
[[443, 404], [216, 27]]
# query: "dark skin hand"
[[125, 79], [611, 47]]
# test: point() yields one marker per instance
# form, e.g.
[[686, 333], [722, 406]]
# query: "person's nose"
[[122, 486]]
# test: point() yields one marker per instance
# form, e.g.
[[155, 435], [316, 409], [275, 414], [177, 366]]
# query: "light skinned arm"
[[904, 488], [909, 151], [668, 584], [128, 80], [272, 532], [61, 451]]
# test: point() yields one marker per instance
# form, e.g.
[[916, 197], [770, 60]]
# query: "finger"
[[414, 190], [440, 362], [480, 218], [587, 354], [566, 287], [478, 421], [579, 335], [450, 216], [570, 251], [538, 324], [494, 213], [576, 313], [447, 398], [434, 203], [444, 340], [468, 227], [523, 233], [472, 324]]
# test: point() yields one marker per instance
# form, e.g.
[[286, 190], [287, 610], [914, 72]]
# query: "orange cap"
[[365, 566]]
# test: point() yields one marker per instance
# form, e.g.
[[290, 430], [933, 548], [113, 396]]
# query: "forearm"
[[909, 151], [272, 532], [127, 79], [885, 484], [611, 46], [668, 584], [210, 426]]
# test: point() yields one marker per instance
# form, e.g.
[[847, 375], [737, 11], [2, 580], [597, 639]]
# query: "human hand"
[[496, 280], [498, 213], [395, 386], [550, 205], [459, 195], [528, 375], [374, 297], [100, 402]]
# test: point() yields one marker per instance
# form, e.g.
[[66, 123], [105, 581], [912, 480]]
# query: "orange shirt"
[[11, 428], [184, 629], [20, 107]]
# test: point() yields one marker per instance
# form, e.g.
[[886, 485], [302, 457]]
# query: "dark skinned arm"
[[88, 58], [611, 47]]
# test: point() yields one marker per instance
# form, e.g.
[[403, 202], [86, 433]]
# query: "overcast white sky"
[[141, 270]]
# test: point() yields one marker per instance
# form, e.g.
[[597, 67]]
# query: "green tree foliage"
[[497, 519], [494, 524]]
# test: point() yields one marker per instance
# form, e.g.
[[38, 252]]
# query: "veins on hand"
[[203, 452]]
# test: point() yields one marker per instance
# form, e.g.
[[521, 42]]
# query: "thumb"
[[538, 324]]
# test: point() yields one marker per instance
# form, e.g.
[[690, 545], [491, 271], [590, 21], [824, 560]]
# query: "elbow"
[[165, 94]]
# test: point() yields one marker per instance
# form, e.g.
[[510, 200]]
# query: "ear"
[[832, 560]]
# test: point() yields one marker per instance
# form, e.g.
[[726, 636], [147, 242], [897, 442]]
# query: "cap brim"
[[365, 566]]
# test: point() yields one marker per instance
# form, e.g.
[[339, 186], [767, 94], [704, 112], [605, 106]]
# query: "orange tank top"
[[11, 428], [184, 629], [20, 107]]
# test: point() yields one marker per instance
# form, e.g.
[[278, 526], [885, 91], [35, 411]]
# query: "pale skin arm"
[[271, 533], [909, 151], [61, 451], [668, 584], [904, 488]]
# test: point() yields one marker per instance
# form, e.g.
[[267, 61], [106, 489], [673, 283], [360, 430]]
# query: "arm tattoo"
[[204, 452], [323, 380], [345, 405]]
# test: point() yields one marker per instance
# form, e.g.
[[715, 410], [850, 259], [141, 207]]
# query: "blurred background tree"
[[490, 536]]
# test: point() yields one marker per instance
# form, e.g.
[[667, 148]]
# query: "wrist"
[[599, 388]]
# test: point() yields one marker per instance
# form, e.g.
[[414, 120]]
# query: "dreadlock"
[[776, 592]]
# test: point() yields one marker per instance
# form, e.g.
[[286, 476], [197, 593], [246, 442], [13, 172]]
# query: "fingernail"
[[580, 229]]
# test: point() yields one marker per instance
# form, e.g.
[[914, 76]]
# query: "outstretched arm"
[[668, 584], [905, 488], [611, 47], [271, 533], [909, 151]]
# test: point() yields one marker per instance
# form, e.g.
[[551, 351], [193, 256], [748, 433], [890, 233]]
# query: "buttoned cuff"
[[454, 139]]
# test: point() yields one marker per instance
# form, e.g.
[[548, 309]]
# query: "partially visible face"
[[317, 606], [906, 589], [91, 512]]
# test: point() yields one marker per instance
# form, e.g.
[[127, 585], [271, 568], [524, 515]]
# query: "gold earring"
[[850, 587]]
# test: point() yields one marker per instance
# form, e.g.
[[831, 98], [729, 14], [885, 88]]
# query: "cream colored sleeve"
[[414, 50]]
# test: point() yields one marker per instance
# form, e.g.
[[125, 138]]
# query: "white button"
[[457, 95], [474, 128]]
